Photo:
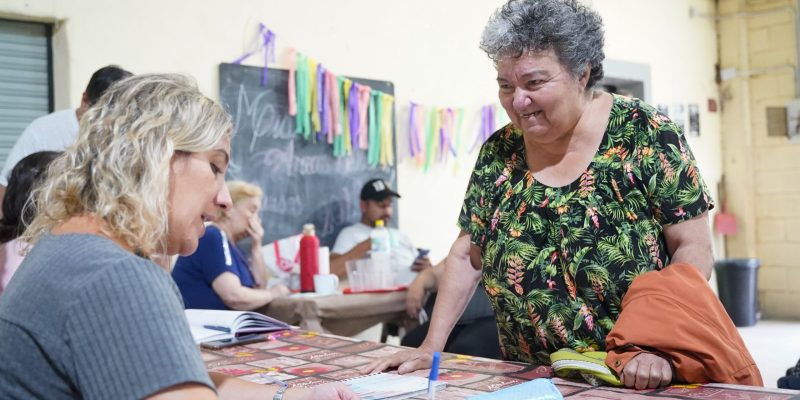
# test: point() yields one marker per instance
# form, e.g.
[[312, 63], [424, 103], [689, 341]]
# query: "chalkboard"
[[302, 181]]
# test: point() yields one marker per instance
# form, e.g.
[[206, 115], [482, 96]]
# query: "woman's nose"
[[223, 199], [521, 99]]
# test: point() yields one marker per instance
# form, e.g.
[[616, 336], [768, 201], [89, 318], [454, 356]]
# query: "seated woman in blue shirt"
[[218, 275]]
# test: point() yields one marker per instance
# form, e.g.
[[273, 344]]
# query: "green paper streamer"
[[459, 123], [372, 126], [375, 145], [299, 93], [431, 138]]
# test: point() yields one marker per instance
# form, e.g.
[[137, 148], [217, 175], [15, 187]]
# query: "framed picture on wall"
[[793, 119], [694, 120]]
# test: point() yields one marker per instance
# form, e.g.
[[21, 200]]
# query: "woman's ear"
[[584, 79]]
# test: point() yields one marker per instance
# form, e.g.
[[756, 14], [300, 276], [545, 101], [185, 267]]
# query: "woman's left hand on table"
[[646, 371]]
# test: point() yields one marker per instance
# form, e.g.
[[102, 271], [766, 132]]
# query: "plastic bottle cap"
[[308, 229], [379, 223]]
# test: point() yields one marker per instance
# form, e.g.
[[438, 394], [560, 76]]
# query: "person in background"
[[218, 275], [353, 241], [16, 210], [56, 131], [88, 315], [582, 192]]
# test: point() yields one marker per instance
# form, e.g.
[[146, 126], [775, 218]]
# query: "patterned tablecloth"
[[303, 358]]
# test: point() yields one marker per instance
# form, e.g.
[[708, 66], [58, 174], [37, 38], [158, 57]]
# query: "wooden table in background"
[[340, 314], [303, 359]]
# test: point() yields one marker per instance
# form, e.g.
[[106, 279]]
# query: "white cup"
[[326, 283], [324, 260], [369, 274]]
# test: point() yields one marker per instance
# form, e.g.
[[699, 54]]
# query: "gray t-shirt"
[[83, 318]]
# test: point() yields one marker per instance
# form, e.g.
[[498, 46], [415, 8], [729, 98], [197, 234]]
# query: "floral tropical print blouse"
[[558, 260]]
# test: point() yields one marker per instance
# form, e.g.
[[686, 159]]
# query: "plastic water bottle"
[[381, 246], [382, 271], [309, 258]]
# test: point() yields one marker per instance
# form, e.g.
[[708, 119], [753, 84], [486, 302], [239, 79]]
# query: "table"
[[303, 358], [345, 315]]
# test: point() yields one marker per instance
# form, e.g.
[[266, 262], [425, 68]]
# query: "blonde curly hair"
[[118, 169]]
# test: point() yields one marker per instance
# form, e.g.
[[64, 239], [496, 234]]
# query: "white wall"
[[429, 49], [682, 53]]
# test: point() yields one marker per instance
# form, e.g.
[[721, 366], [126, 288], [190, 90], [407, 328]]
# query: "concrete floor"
[[774, 345]]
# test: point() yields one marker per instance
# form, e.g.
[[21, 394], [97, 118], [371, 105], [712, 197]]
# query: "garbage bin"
[[737, 283]]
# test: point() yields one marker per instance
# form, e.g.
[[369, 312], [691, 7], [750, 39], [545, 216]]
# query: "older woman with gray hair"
[[89, 315], [579, 194]]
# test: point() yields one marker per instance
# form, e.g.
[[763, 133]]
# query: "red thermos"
[[309, 258]]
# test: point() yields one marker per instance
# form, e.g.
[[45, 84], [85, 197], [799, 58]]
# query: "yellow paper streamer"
[[387, 145], [316, 124], [348, 146]]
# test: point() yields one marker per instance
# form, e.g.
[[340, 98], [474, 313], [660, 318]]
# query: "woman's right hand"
[[333, 391], [406, 361], [279, 291]]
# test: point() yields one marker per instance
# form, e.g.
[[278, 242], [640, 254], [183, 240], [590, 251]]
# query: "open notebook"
[[211, 325], [389, 386]]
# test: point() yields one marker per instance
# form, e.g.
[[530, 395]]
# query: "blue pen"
[[218, 328], [434, 375]]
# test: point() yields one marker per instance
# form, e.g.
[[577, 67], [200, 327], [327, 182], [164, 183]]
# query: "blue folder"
[[537, 389]]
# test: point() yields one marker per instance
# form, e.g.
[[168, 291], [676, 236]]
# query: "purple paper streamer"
[[269, 53], [321, 102], [412, 130], [352, 114], [486, 127], [250, 53], [267, 46], [442, 144]]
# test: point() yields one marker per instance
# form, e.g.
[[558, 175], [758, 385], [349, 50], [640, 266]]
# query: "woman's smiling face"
[[540, 95]]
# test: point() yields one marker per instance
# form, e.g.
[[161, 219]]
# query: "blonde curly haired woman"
[[89, 315]]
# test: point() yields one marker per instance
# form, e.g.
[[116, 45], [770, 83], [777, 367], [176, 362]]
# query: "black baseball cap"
[[377, 189]]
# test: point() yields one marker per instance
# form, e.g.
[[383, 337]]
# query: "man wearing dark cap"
[[353, 241], [56, 131], [475, 332]]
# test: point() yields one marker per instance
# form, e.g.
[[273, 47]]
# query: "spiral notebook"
[[389, 386]]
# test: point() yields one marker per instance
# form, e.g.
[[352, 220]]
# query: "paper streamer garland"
[[435, 133], [346, 114], [350, 116]]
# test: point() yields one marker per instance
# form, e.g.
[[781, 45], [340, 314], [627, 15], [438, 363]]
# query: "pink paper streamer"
[[292, 83], [336, 128], [363, 104]]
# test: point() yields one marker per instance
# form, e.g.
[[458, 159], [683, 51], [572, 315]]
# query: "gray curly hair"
[[573, 31], [119, 166]]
